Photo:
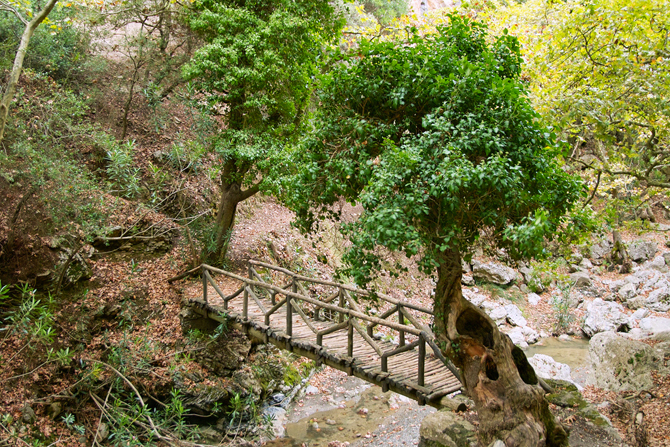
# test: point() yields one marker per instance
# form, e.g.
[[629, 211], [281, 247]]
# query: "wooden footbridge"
[[325, 321]]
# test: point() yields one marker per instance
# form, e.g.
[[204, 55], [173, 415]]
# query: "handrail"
[[349, 312], [343, 286], [347, 307]]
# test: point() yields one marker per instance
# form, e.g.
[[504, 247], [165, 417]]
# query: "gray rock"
[[575, 258], [446, 429], [616, 285], [498, 314], [621, 364], [575, 298], [514, 316], [586, 264], [475, 298], [493, 273], [28, 415], [54, 410], [603, 316], [639, 314], [531, 335], [640, 251], [533, 299], [518, 337], [467, 280], [548, 368], [278, 417], [666, 257], [526, 272], [659, 300], [658, 263], [627, 291], [655, 325], [581, 281], [637, 302], [497, 443], [601, 249]]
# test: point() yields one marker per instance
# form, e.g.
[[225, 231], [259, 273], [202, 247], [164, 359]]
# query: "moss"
[[292, 375], [568, 399], [594, 416], [561, 385]]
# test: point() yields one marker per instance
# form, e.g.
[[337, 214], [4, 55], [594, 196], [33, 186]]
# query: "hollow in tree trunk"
[[496, 374]]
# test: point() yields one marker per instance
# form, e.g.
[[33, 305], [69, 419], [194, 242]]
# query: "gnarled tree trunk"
[[496, 374]]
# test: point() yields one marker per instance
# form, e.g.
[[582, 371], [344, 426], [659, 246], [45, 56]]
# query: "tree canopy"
[[256, 69], [436, 138]]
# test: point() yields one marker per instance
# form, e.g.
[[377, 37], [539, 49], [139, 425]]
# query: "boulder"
[[548, 368], [498, 314], [636, 302], [278, 417], [659, 300], [514, 316], [640, 251], [655, 325], [601, 249], [658, 264], [518, 337], [493, 273], [637, 315], [586, 264], [603, 316], [533, 299], [531, 335], [581, 281], [446, 429], [621, 364], [627, 291]]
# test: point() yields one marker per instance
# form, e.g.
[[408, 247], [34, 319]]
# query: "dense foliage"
[[599, 71], [436, 138], [256, 69]]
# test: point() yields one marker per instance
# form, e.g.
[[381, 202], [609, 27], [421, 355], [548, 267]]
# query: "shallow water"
[[353, 419], [573, 352]]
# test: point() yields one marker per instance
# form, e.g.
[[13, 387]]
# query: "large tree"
[[435, 137], [256, 70]]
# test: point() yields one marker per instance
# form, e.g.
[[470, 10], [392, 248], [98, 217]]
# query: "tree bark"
[[496, 374], [18, 64], [231, 195]]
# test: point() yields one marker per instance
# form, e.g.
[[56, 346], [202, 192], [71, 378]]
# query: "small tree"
[[31, 20], [256, 70], [436, 139]]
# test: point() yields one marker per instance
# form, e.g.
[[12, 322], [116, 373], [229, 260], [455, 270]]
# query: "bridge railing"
[[349, 315]]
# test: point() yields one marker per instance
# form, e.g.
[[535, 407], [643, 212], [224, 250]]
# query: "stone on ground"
[[493, 273], [621, 364], [602, 316], [446, 429]]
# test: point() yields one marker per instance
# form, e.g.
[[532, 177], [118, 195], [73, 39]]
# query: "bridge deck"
[[402, 372]]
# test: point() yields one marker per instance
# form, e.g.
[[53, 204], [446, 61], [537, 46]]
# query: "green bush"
[[58, 53]]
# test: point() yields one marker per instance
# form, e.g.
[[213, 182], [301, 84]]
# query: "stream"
[[350, 410]]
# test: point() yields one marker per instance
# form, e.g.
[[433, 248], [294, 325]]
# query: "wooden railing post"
[[245, 305], [341, 318], [422, 359], [289, 309], [204, 284], [350, 339], [401, 320]]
